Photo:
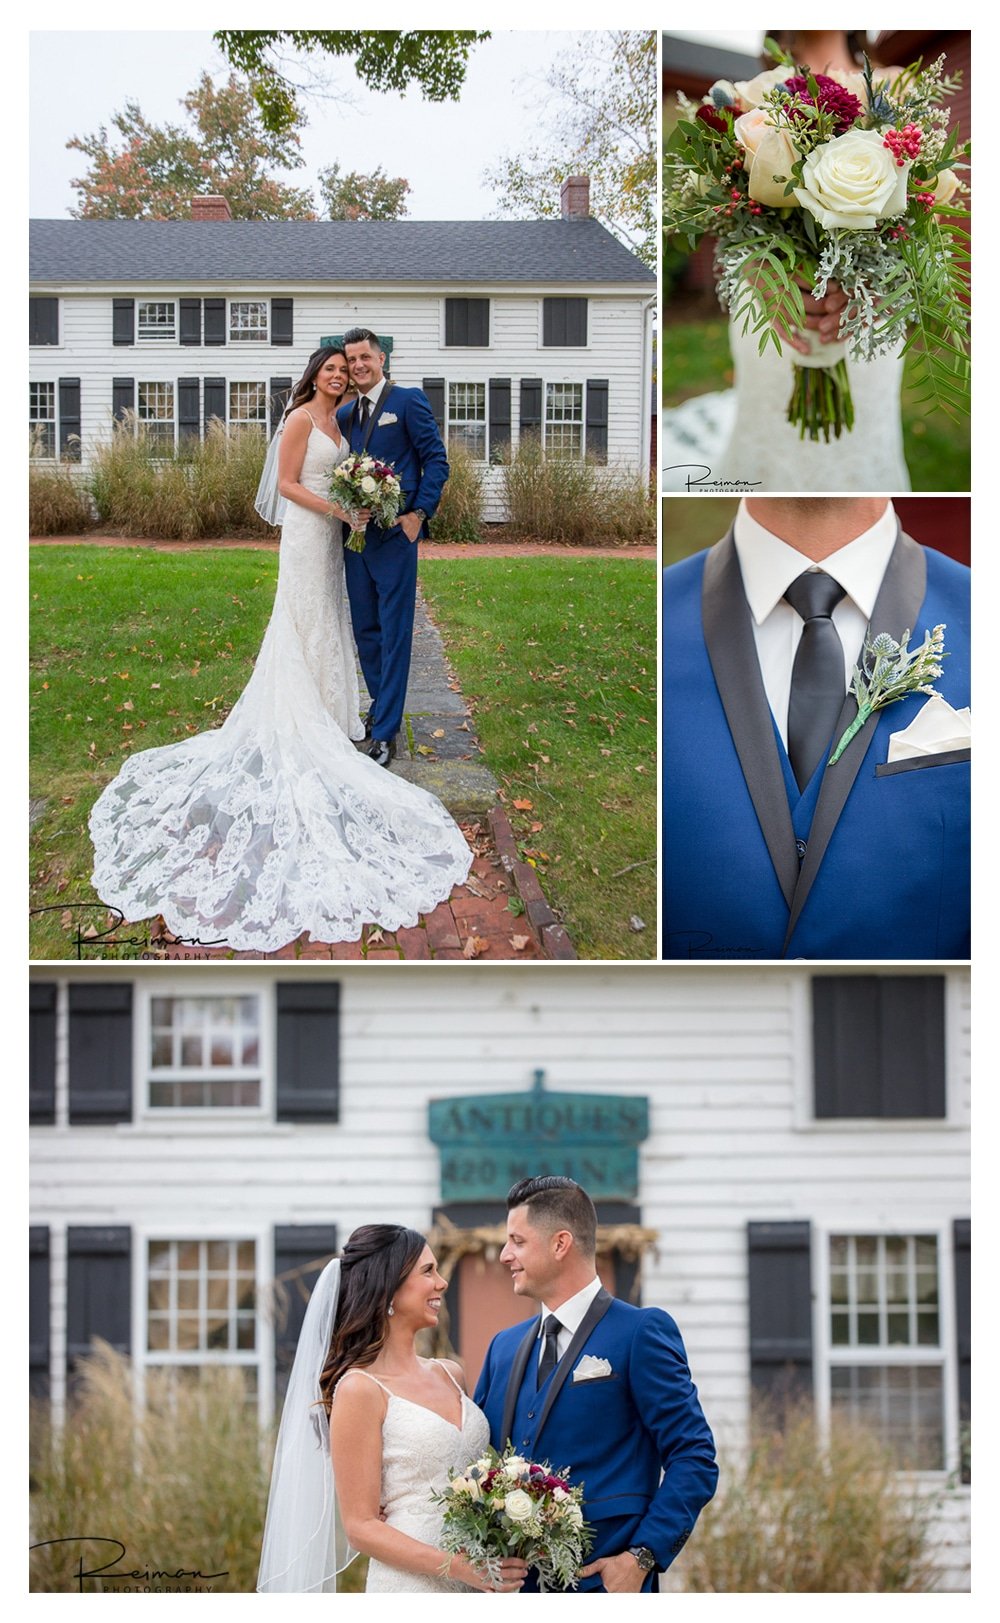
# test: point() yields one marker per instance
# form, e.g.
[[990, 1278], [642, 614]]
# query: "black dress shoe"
[[382, 750], [366, 720]]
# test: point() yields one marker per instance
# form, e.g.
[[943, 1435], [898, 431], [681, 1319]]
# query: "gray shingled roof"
[[272, 251]]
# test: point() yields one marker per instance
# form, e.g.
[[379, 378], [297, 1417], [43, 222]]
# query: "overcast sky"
[[77, 80]]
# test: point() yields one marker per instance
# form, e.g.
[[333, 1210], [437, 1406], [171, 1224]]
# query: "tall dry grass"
[[205, 489], [58, 498], [460, 512], [798, 1517], [557, 499]]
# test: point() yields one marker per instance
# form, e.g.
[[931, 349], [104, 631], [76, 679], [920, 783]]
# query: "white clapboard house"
[[796, 1144], [511, 327]]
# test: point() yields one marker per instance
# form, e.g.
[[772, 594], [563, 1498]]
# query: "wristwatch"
[[644, 1556], [420, 514]]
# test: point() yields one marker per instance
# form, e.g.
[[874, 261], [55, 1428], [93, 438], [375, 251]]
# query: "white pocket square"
[[589, 1369], [935, 729], [386, 418]]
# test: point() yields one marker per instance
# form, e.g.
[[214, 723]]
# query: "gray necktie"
[[818, 687], [366, 407], [550, 1348]]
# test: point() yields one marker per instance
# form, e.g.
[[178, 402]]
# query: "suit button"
[[531, 1414]]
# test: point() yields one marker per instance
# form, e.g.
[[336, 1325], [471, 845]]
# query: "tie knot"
[[815, 595]]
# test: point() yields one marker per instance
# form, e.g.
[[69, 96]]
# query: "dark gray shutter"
[[39, 1310], [188, 409], [122, 396], [281, 321], [434, 390], [43, 321], [308, 1050], [215, 399], [215, 321], [531, 407], [564, 323], [597, 419], [69, 419], [962, 1246], [100, 1052], [123, 321], [467, 323], [278, 391], [779, 1281], [190, 331], [301, 1250], [878, 1046], [42, 1052], [499, 419], [98, 1290]]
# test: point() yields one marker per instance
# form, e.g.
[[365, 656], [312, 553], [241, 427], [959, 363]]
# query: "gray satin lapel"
[[593, 1316], [728, 632], [897, 606], [514, 1380]]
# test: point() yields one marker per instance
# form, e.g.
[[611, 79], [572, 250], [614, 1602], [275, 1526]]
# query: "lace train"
[[273, 825]]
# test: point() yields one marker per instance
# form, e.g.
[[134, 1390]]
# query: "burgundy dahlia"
[[713, 118], [832, 98]]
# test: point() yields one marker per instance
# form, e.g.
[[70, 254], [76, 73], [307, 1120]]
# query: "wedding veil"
[[303, 1549], [268, 502]]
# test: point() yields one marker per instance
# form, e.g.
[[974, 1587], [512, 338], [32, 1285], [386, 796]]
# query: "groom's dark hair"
[[558, 1203], [362, 335]]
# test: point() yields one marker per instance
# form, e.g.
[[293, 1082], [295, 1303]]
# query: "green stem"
[[865, 711]]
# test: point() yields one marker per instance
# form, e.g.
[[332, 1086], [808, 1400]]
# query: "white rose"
[[368, 485], [519, 1506], [769, 152], [852, 182], [517, 1465], [559, 1493], [752, 91], [573, 1514], [946, 187]]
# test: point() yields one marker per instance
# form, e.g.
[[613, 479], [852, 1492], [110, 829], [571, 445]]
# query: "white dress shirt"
[[769, 565], [372, 394], [570, 1315]]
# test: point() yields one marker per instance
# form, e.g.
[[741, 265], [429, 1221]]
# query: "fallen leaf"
[[474, 946], [128, 705], [536, 828], [478, 889], [636, 923], [424, 749], [376, 935], [523, 805], [519, 942], [438, 732]]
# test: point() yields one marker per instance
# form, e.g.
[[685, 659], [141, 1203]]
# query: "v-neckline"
[[337, 443], [395, 1397]]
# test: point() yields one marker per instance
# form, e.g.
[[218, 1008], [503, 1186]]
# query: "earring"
[[314, 386], [391, 1310]]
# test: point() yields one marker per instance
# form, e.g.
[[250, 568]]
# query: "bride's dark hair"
[[373, 1265], [306, 386]]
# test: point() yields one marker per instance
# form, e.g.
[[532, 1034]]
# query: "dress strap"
[[450, 1376], [367, 1377]]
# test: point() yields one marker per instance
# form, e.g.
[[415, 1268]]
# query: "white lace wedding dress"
[[419, 1448], [744, 437], [274, 824]]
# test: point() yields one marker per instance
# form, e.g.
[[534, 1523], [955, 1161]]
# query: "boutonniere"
[[888, 671]]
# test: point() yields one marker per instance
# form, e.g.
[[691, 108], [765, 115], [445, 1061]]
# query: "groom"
[[768, 850], [600, 1388], [395, 425]]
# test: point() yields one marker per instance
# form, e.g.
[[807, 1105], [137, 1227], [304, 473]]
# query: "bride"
[[274, 824], [363, 1409]]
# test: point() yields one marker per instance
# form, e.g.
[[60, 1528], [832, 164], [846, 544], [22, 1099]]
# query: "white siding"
[[720, 1054], [617, 341]]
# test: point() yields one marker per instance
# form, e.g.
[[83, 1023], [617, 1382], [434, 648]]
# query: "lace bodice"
[[419, 1448], [273, 825]]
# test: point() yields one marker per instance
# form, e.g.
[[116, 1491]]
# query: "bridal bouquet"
[[362, 481], [808, 179], [504, 1505]]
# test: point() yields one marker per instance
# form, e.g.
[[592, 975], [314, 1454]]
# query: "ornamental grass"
[[205, 488], [58, 499], [576, 500], [460, 512]]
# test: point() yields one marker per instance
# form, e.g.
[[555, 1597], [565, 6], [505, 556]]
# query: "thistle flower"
[[889, 671]]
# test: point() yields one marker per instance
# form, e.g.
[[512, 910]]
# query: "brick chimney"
[[210, 208], [574, 197]]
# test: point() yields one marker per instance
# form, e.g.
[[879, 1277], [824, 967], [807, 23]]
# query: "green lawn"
[[936, 447], [558, 656], [131, 648]]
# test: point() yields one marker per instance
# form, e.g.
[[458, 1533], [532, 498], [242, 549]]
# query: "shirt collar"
[[374, 392], [572, 1312], [769, 565]]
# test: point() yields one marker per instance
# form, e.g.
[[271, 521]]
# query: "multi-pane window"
[[248, 407], [204, 1053], [156, 413], [42, 419], [564, 420], [157, 319], [201, 1303], [248, 321], [886, 1350], [467, 418]]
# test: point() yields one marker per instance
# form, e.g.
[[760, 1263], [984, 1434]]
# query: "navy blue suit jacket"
[[411, 443], [871, 860], [635, 1439]]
